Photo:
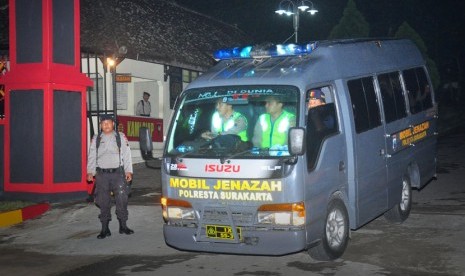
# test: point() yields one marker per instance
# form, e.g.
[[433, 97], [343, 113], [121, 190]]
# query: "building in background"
[[157, 46]]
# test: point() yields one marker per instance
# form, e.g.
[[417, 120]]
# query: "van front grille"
[[220, 216]]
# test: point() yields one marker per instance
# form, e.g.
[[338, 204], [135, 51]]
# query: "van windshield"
[[233, 122]]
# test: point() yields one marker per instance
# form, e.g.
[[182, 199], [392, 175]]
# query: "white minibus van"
[[252, 165]]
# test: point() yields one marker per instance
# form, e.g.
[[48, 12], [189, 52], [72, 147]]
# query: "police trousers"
[[105, 183]]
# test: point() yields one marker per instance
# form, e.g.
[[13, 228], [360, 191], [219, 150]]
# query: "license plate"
[[222, 232]]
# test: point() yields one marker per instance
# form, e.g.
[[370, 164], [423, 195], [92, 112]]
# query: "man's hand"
[[208, 135], [128, 176], [90, 177]]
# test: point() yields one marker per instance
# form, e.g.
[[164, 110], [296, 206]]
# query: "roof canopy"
[[156, 31]]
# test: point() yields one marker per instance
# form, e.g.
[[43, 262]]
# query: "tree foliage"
[[406, 31], [351, 25]]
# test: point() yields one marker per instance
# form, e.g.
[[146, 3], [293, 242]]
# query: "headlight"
[[176, 209], [282, 214], [180, 213]]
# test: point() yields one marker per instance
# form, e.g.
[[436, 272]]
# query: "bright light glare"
[[289, 13], [312, 11], [110, 62], [303, 7]]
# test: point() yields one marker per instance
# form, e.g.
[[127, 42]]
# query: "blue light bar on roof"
[[236, 52], [258, 52]]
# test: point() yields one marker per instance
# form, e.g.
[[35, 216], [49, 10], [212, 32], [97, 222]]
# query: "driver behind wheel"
[[226, 121]]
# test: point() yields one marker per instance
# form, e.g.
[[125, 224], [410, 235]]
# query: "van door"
[[395, 113], [370, 149]]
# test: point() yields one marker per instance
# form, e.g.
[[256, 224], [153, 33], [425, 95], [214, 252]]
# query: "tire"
[[400, 212], [335, 236]]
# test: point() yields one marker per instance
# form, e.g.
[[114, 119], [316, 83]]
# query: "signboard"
[[410, 136], [122, 95], [123, 78], [130, 125], [122, 88]]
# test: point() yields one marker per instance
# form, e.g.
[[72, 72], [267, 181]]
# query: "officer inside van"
[[316, 98], [271, 129], [226, 121]]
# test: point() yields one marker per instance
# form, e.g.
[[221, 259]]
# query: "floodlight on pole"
[[294, 7]]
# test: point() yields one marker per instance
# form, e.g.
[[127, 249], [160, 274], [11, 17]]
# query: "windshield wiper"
[[226, 158]]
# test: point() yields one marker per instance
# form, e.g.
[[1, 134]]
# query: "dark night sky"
[[441, 24]]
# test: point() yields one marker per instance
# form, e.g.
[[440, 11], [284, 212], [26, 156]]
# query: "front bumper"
[[266, 242]]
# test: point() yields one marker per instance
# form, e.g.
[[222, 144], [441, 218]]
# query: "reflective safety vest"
[[275, 133], [219, 126]]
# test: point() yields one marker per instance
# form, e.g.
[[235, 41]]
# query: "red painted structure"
[[130, 125], [45, 102]]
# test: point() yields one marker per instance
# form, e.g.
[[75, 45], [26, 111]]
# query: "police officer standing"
[[109, 159], [143, 107]]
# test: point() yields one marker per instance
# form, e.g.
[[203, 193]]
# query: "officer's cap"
[[317, 94], [105, 117]]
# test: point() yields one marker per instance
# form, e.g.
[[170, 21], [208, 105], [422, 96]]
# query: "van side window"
[[364, 104], [418, 89], [321, 122], [392, 95]]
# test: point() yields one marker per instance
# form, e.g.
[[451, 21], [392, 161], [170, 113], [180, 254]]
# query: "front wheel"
[[400, 212], [336, 233]]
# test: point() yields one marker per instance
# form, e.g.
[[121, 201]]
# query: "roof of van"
[[330, 60]]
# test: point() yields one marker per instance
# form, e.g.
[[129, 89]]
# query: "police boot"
[[123, 228], [105, 231]]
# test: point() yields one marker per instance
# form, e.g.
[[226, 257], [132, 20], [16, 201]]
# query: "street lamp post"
[[112, 63], [294, 8]]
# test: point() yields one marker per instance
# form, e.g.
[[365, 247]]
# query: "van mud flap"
[[216, 224]]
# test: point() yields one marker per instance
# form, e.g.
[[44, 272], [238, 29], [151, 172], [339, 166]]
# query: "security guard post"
[[110, 161]]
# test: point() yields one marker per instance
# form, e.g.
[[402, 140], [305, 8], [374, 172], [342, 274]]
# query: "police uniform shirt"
[[258, 130], [143, 108], [108, 153]]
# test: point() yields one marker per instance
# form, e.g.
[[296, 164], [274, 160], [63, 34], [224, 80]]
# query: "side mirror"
[[145, 143], [296, 141]]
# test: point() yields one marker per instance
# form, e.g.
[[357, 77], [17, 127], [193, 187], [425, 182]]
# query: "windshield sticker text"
[[207, 95], [264, 91], [232, 92]]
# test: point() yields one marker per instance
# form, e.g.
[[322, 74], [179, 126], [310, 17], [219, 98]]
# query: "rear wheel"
[[335, 233], [400, 212]]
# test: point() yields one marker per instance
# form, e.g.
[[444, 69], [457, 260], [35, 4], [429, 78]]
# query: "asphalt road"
[[63, 241]]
